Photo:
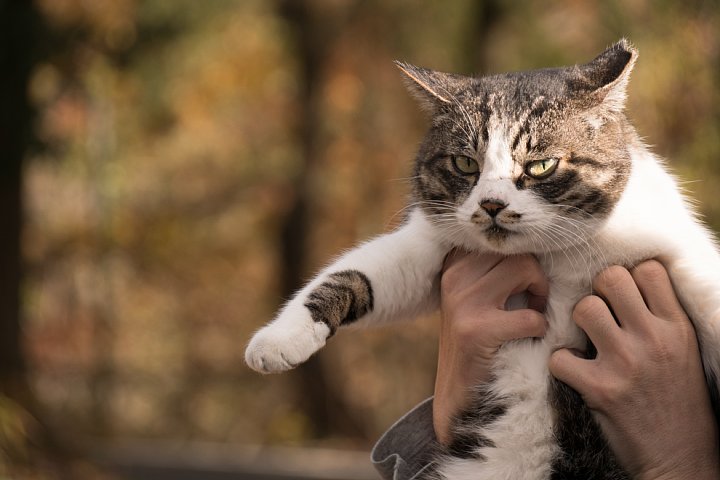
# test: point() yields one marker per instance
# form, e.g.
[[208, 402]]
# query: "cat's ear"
[[606, 77], [432, 89]]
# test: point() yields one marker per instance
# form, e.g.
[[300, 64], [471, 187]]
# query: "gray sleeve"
[[403, 452]]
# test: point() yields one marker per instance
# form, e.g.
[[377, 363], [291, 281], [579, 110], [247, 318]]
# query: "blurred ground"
[[215, 461]]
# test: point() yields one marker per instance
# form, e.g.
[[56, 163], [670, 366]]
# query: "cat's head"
[[524, 162]]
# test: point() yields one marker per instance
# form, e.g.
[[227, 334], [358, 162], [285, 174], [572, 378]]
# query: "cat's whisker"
[[596, 249], [404, 179], [449, 206], [582, 227], [537, 236], [452, 234], [593, 250], [574, 239], [422, 203], [402, 211], [561, 240]]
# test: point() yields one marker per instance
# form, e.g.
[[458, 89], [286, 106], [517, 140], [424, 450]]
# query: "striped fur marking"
[[583, 186], [485, 409], [343, 298]]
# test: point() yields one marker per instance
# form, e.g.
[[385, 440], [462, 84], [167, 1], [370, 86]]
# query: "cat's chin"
[[503, 241], [498, 234], [507, 242]]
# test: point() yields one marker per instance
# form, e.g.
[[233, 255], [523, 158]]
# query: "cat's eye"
[[465, 165], [541, 168]]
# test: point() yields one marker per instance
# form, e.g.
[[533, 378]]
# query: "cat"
[[542, 162]]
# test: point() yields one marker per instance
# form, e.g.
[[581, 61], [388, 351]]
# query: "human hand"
[[474, 291], [646, 384]]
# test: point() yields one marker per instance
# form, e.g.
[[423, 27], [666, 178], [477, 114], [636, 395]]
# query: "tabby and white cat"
[[542, 162]]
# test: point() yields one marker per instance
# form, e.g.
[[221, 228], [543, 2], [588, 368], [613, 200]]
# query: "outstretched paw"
[[282, 346]]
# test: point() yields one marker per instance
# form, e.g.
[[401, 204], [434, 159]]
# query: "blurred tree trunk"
[[19, 26], [484, 16], [34, 446], [18, 23], [313, 29]]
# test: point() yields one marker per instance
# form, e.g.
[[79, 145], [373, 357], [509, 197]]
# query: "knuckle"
[[449, 281], [612, 278], [529, 269], [686, 334], [464, 329], [527, 264], [525, 260], [608, 390], [556, 363], [632, 365], [661, 352], [459, 329], [650, 270], [589, 308], [606, 395], [533, 323]]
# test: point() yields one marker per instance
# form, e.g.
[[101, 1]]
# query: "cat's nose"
[[492, 206]]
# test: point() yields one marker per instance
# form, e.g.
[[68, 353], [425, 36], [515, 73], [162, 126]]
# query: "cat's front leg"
[[393, 276]]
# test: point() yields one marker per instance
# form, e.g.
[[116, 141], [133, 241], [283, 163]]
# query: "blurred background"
[[170, 170]]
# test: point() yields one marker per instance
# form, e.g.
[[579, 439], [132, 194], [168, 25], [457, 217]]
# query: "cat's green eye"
[[541, 168], [465, 165]]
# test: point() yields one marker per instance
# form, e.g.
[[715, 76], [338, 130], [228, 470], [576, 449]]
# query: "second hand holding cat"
[[475, 323], [646, 383]]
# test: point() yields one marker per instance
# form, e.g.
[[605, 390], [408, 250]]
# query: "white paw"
[[283, 345]]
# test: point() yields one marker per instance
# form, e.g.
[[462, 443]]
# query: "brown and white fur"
[[608, 201]]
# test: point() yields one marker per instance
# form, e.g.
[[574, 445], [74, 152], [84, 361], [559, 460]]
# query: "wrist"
[[442, 419]]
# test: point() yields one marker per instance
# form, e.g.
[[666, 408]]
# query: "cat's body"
[[483, 186]]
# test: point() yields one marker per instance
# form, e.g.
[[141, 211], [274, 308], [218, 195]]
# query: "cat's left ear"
[[432, 89], [606, 77]]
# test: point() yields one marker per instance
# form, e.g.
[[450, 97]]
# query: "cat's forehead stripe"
[[538, 107]]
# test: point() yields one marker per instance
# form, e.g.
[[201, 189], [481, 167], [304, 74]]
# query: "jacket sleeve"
[[405, 451]]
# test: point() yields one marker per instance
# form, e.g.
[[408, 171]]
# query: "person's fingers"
[[656, 288], [464, 260], [454, 256], [462, 269], [594, 317], [513, 275], [617, 287], [525, 323], [571, 369]]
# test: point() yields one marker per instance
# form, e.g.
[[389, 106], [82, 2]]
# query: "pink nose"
[[492, 206]]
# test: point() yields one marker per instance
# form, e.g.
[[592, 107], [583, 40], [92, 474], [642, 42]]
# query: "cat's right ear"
[[606, 77], [432, 89]]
